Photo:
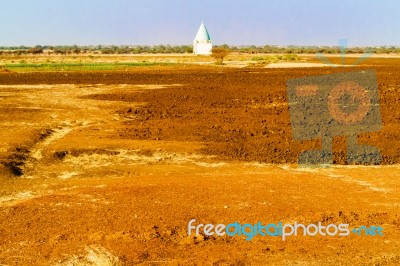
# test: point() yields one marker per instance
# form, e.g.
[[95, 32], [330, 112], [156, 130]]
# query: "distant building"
[[202, 42]]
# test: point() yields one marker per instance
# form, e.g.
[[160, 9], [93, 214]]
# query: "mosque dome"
[[202, 34]]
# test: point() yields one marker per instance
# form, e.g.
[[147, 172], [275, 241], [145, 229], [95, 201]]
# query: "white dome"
[[202, 34]]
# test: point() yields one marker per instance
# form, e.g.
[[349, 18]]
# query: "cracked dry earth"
[[102, 170]]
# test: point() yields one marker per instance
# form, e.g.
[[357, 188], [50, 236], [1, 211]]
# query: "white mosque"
[[202, 42]]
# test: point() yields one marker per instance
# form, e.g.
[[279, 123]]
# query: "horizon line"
[[224, 44]]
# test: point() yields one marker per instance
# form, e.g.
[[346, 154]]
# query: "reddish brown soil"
[[139, 210], [240, 114]]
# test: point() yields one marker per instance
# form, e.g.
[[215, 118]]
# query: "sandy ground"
[[113, 168], [233, 59]]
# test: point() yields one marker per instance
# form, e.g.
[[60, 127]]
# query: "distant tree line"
[[98, 49], [166, 49], [291, 49]]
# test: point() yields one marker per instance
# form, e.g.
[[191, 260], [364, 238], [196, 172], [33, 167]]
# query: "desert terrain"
[[109, 166]]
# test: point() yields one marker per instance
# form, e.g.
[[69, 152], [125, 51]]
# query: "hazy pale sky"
[[234, 22]]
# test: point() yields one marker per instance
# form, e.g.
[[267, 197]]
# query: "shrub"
[[219, 54], [36, 50]]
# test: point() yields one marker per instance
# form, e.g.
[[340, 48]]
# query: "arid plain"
[[111, 165]]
